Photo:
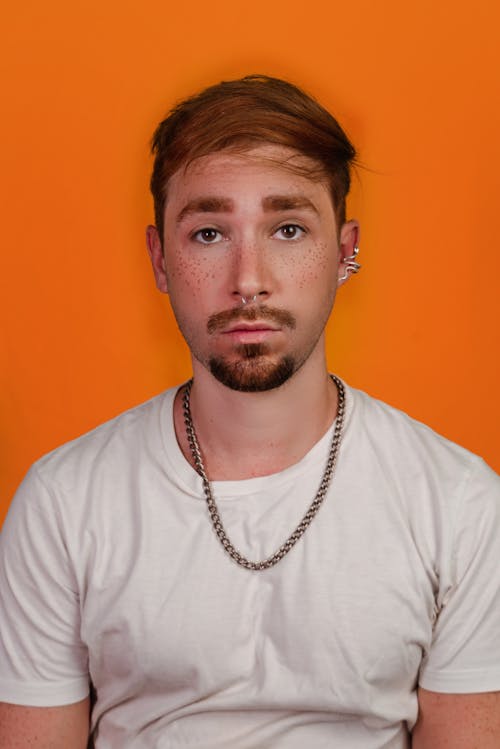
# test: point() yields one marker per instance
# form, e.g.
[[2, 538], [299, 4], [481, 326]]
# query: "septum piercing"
[[244, 300]]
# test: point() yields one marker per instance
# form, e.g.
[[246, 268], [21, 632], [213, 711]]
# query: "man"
[[339, 585]]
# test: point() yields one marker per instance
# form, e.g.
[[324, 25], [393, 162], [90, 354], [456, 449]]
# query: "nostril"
[[247, 296], [248, 300]]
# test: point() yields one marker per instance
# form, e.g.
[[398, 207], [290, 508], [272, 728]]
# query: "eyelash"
[[196, 236], [301, 229]]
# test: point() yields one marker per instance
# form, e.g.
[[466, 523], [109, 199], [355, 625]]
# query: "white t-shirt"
[[109, 566]]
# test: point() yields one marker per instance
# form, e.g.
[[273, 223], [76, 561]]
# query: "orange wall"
[[84, 334]]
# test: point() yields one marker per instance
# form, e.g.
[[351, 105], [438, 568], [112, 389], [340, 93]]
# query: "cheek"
[[190, 275], [312, 269]]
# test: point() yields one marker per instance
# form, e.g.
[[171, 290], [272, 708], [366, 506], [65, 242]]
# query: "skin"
[[62, 727], [251, 244], [251, 434], [245, 434], [457, 721]]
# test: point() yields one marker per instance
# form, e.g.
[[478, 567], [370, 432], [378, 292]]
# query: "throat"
[[231, 447], [215, 518]]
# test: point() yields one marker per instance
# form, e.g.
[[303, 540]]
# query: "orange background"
[[85, 335]]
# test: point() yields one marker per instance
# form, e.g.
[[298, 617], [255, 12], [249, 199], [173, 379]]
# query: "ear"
[[349, 240], [157, 258]]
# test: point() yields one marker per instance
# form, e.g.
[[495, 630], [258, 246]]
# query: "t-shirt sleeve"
[[42, 659], [464, 656]]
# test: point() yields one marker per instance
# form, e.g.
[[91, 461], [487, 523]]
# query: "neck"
[[243, 435]]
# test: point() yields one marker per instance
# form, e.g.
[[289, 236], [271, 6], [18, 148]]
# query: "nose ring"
[[244, 300]]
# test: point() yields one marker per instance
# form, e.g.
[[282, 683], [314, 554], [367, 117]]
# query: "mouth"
[[262, 319], [250, 332], [250, 327]]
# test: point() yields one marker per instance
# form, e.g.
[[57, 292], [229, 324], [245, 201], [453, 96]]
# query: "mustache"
[[220, 320]]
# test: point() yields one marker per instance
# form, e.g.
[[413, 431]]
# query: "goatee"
[[253, 372]]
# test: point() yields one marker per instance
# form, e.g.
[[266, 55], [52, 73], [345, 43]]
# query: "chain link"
[[309, 515]]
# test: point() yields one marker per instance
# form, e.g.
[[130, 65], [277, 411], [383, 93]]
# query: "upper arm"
[[461, 662], [43, 659], [457, 721], [44, 727]]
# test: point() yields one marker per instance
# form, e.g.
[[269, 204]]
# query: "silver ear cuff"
[[351, 266], [244, 300]]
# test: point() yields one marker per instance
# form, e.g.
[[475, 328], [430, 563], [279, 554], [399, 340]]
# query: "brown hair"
[[244, 113]]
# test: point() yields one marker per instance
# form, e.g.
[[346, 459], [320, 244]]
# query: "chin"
[[254, 373]]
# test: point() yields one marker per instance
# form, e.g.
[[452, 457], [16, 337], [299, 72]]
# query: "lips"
[[253, 319], [241, 326], [245, 333]]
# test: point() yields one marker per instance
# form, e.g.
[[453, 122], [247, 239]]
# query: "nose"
[[251, 275]]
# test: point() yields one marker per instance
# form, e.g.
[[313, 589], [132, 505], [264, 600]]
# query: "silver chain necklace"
[[313, 508]]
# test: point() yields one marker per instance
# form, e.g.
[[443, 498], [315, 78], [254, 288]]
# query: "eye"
[[289, 231], [207, 235]]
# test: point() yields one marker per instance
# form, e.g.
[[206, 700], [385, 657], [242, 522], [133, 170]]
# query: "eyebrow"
[[205, 205], [271, 203], [288, 203]]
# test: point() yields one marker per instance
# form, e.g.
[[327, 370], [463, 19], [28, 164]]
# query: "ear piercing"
[[351, 266]]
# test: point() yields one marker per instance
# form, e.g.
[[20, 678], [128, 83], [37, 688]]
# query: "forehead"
[[266, 164]]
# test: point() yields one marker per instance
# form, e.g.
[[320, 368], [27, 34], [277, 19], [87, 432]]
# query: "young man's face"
[[243, 227]]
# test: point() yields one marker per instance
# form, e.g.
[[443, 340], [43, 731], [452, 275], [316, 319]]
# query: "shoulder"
[[77, 485], [393, 432], [124, 437], [429, 474], [439, 496], [97, 464]]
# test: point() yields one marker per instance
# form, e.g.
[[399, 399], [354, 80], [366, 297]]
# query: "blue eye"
[[289, 231], [207, 235]]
